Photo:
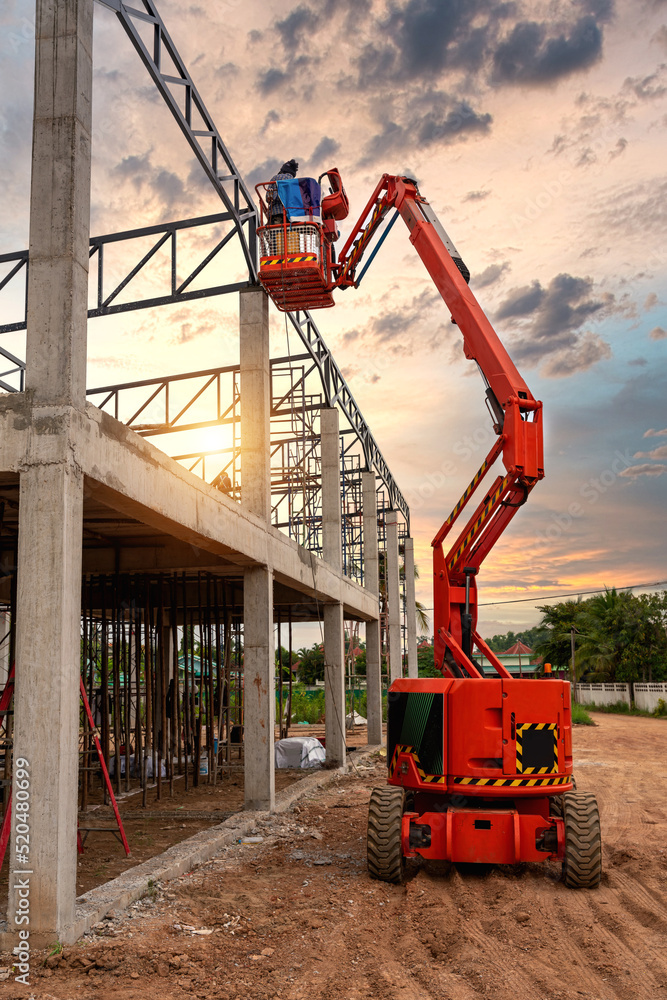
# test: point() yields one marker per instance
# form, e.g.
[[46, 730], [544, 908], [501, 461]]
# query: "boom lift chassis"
[[480, 764]]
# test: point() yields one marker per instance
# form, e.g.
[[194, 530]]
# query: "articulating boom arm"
[[516, 414]]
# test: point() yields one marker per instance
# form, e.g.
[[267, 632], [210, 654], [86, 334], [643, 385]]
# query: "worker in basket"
[[287, 172], [296, 241]]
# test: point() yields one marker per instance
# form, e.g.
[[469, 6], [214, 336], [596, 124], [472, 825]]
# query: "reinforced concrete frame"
[[85, 493]]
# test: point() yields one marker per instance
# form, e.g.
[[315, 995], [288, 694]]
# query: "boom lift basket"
[[294, 256]]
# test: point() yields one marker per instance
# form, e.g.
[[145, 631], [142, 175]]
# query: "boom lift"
[[480, 764]]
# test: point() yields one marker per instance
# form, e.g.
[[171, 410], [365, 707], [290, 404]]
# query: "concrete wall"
[[602, 694], [647, 696]]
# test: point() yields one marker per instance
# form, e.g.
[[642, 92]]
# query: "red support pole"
[[107, 780]]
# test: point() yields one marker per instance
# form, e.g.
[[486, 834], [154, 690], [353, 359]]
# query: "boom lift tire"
[[383, 842], [582, 867]]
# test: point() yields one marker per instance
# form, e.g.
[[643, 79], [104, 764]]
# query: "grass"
[[580, 716], [622, 708]]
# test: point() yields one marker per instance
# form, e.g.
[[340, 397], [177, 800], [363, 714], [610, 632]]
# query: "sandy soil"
[[297, 917], [165, 821]]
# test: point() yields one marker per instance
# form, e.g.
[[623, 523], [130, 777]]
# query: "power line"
[[576, 593]]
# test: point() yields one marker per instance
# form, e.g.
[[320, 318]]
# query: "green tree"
[[618, 636], [311, 664]]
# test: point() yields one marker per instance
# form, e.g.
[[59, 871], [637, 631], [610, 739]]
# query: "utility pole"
[[574, 676]]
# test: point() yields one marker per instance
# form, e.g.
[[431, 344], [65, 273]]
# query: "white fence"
[[647, 696], [605, 694]]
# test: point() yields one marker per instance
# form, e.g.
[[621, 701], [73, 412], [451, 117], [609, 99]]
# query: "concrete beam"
[[129, 474], [393, 597], [371, 581], [259, 686], [410, 608]]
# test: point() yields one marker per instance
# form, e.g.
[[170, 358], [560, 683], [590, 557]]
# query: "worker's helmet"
[[290, 167]]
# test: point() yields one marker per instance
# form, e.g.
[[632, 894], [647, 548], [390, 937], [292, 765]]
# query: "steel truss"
[[178, 90]]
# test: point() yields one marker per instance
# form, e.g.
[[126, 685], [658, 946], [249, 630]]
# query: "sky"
[[537, 132]]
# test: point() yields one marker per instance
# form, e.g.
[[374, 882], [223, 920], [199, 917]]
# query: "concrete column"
[[259, 641], [393, 597], [51, 488], [331, 507], [334, 635], [255, 402], [259, 702], [46, 700], [410, 599], [334, 684], [60, 203], [371, 582], [5, 620]]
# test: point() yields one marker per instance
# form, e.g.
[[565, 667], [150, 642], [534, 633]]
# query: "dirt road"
[[296, 915]]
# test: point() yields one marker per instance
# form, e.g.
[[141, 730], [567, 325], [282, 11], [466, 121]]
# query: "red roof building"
[[518, 648]]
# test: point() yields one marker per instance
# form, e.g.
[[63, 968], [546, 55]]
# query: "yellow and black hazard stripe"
[[301, 259], [514, 782], [527, 727], [472, 533], [429, 779], [471, 488]]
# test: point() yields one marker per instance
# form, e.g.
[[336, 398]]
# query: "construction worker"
[[287, 172]]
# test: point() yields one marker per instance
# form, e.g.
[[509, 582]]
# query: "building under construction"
[[151, 581]]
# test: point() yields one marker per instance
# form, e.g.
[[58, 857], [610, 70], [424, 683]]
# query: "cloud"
[[651, 433], [529, 55], [325, 149], [491, 274], [548, 321], [476, 195], [394, 329], [620, 147], [262, 172], [297, 23], [647, 88], [134, 169], [635, 208], [586, 352], [635, 471], [638, 363], [271, 80], [167, 186], [658, 333], [660, 452], [447, 120], [652, 300], [522, 301]]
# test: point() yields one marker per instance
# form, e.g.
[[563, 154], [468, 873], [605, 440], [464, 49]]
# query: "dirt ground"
[[165, 821], [297, 917]]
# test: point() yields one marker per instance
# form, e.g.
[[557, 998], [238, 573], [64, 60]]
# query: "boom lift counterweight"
[[477, 771]]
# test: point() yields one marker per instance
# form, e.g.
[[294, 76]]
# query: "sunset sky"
[[536, 130]]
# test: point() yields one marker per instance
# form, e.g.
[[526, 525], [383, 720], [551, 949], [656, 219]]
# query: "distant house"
[[519, 659]]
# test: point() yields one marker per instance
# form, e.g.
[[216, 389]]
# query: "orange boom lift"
[[480, 763]]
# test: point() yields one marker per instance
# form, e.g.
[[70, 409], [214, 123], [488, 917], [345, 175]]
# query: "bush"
[[661, 710], [580, 716]]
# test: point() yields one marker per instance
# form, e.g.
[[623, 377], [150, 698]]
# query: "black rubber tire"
[[556, 806], [582, 868], [383, 841]]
